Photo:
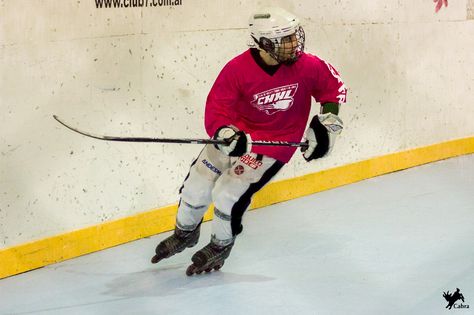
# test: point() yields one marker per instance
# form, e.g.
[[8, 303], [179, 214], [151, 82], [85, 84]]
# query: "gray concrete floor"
[[388, 245]]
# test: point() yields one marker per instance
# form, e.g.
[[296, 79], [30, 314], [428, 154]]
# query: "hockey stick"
[[177, 140]]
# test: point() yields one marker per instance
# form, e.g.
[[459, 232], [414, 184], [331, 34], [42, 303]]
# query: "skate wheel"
[[208, 270], [216, 268], [191, 270], [199, 271]]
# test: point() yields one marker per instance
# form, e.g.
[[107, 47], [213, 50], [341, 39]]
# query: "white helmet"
[[269, 26]]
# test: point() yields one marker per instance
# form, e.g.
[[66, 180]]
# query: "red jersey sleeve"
[[329, 86], [221, 101]]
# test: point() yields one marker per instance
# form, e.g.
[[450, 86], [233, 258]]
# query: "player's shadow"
[[172, 280]]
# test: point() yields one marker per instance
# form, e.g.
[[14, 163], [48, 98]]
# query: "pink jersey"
[[272, 108]]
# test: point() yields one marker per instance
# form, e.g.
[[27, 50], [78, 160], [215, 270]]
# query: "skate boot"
[[176, 243], [212, 256]]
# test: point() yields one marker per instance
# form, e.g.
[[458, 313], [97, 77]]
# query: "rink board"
[[58, 248]]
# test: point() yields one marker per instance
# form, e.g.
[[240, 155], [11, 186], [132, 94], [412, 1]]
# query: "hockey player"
[[262, 94]]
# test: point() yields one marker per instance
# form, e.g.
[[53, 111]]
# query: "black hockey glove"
[[321, 135], [238, 142]]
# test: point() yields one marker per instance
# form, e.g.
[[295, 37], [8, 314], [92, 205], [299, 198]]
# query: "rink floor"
[[388, 245]]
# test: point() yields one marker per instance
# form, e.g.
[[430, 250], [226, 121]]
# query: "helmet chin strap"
[[268, 58]]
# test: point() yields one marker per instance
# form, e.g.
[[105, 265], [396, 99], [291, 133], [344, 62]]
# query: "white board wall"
[[147, 72]]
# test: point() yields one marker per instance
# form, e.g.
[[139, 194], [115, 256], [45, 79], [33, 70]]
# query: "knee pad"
[[195, 198], [231, 201], [197, 187], [225, 196]]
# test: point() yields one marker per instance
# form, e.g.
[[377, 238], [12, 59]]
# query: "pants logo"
[[249, 160], [239, 169], [211, 167]]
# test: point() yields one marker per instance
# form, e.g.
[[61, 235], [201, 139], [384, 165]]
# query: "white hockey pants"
[[229, 182]]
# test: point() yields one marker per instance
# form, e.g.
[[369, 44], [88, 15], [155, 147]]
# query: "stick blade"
[[90, 135]]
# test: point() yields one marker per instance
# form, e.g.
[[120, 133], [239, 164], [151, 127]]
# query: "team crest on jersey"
[[275, 100]]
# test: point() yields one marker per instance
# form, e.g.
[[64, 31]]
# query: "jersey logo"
[[275, 100], [342, 89]]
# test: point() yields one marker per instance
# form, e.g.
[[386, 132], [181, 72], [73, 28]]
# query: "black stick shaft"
[[176, 140]]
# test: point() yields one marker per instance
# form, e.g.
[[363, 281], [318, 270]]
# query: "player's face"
[[288, 46]]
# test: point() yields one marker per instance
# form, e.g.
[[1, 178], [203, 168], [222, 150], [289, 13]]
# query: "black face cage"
[[281, 50]]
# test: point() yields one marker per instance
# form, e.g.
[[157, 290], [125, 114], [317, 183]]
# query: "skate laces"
[[181, 234], [215, 250], [181, 239]]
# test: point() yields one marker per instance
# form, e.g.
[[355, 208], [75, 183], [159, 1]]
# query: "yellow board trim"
[[36, 254]]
